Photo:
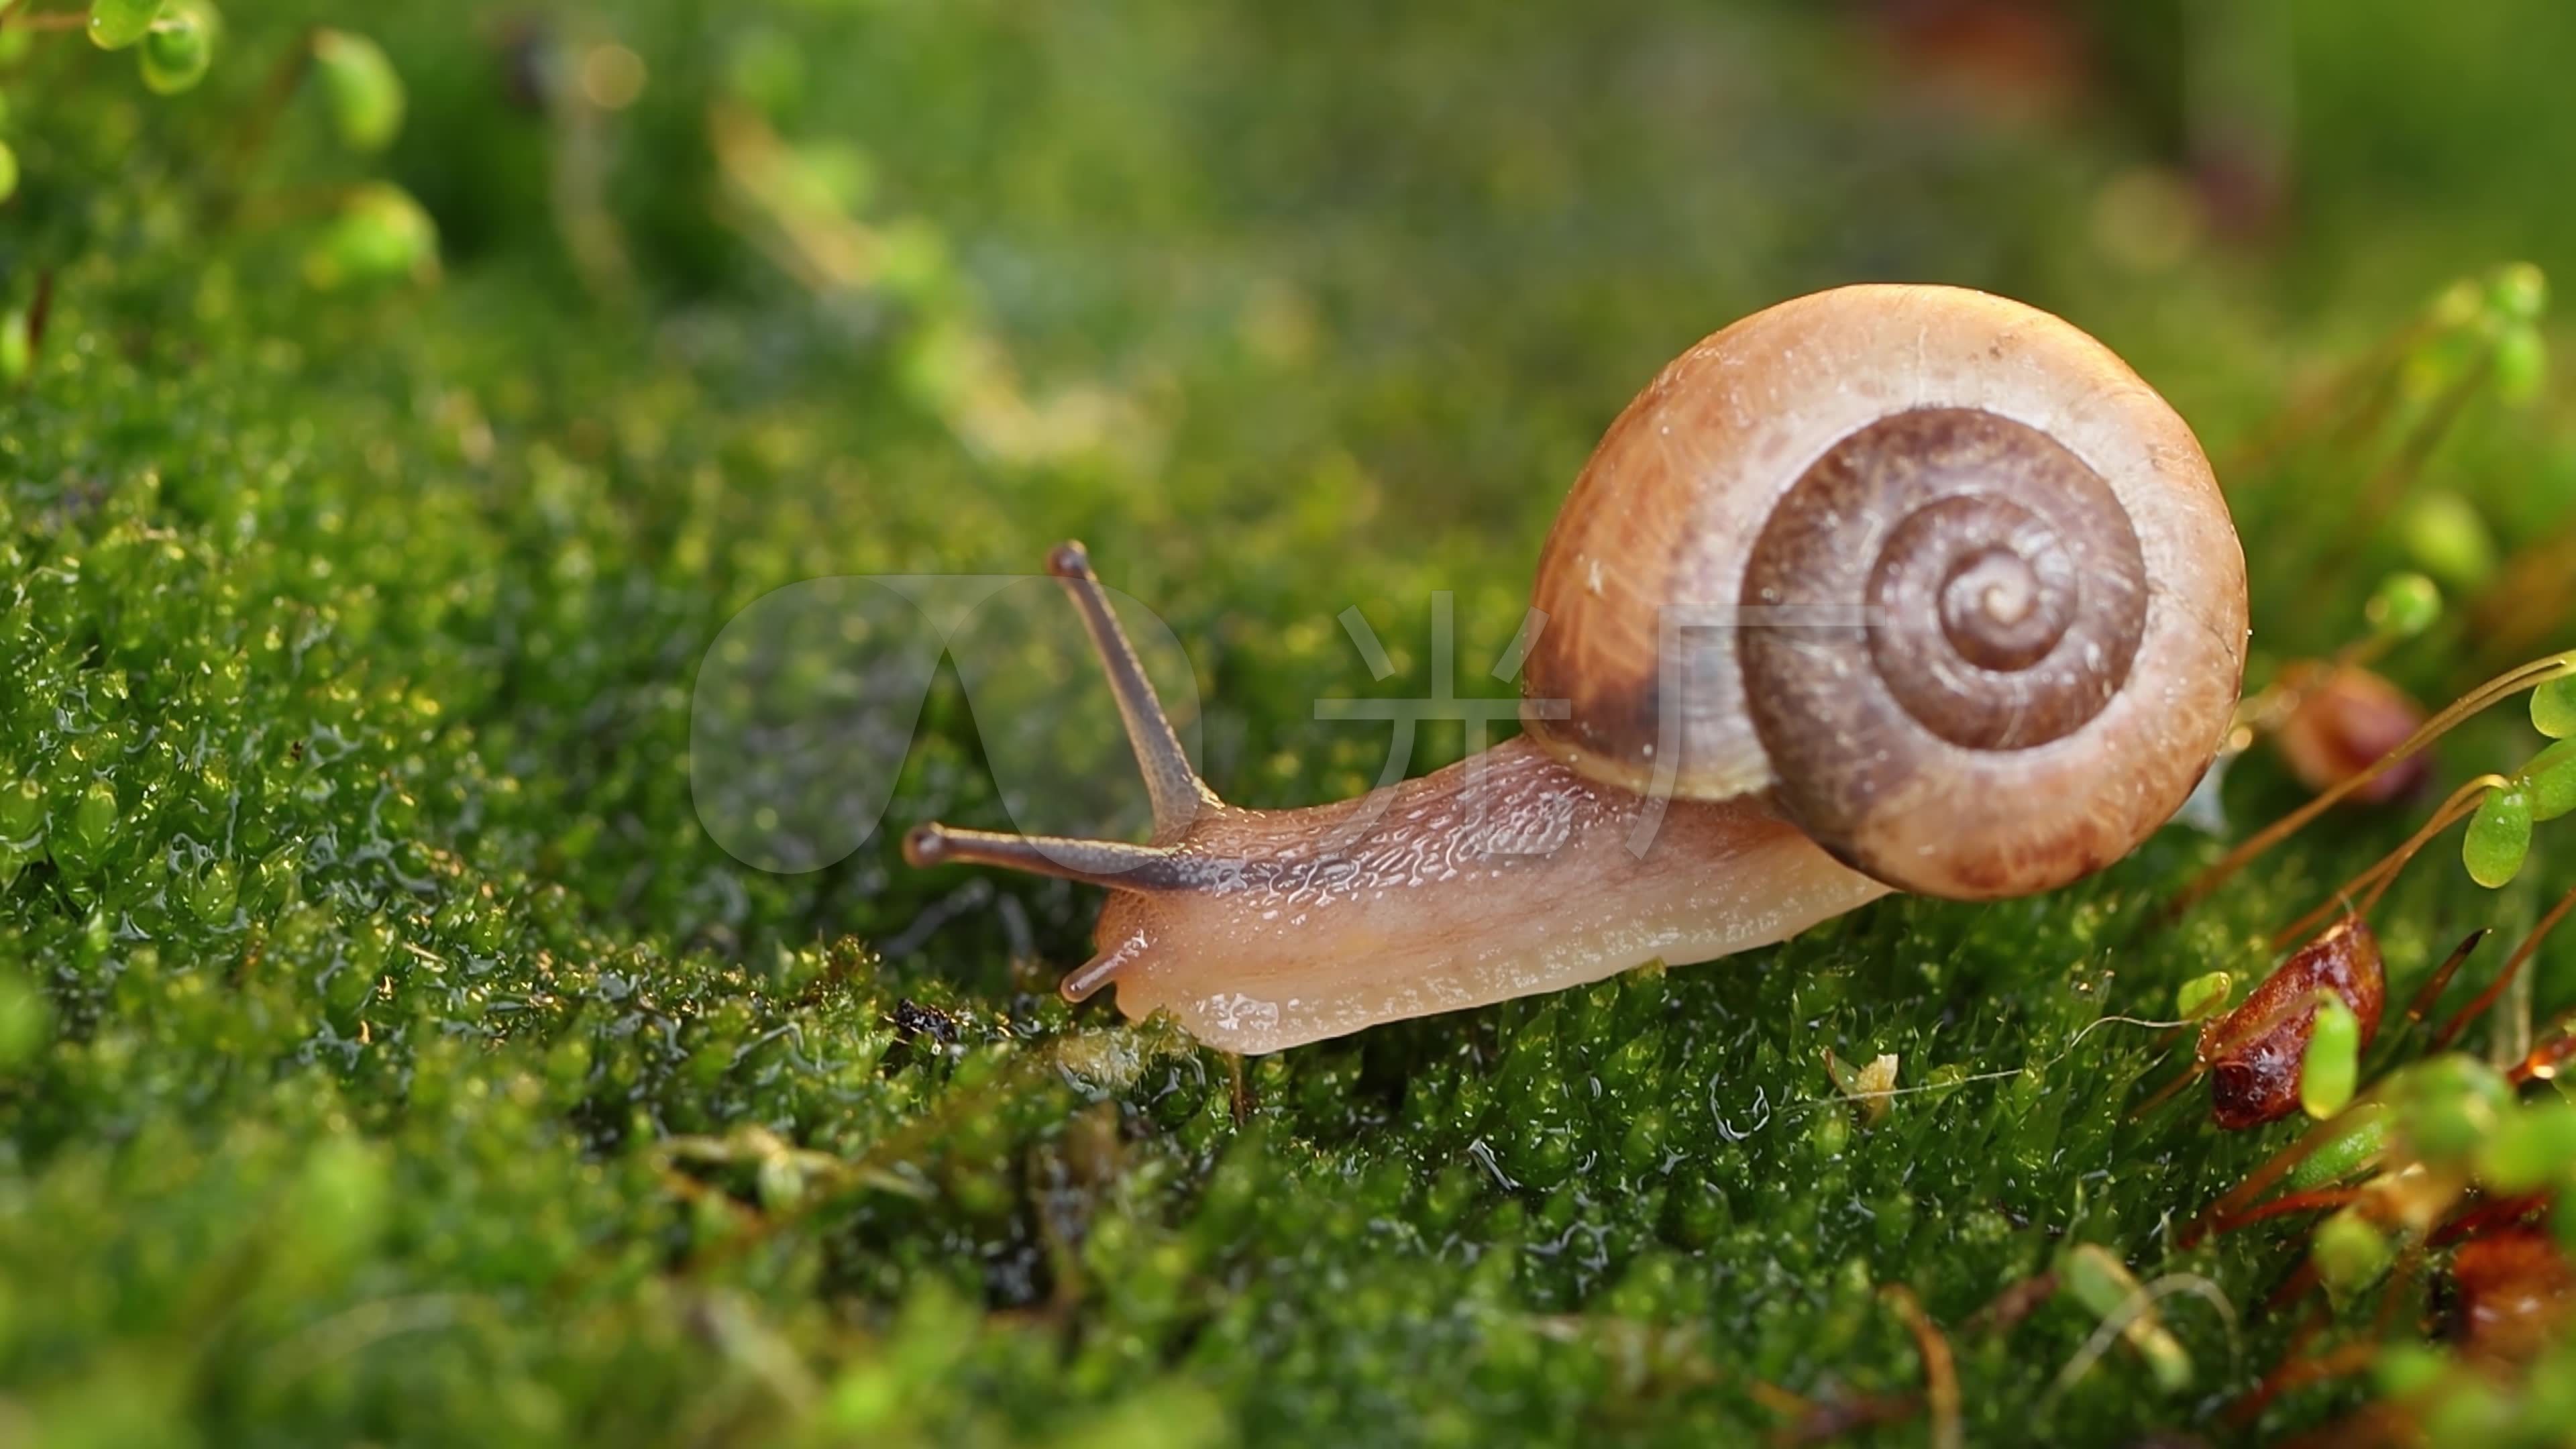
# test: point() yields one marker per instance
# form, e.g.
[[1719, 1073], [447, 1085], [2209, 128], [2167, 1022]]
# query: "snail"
[[1883, 588]]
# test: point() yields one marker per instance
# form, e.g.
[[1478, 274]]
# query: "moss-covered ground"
[[388, 1055]]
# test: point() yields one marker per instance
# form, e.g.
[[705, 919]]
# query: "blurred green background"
[[388, 1055]]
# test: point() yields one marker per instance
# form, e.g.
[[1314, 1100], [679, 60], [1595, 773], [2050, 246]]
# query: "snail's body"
[[1884, 587], [1506, 874]]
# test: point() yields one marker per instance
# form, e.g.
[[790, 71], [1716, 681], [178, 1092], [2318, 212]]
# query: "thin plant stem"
[[2462, 804], [2513, 681], [2460, 1019]]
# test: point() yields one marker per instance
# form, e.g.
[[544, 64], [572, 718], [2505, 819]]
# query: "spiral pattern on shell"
[[1933, 568], [1998, 597]]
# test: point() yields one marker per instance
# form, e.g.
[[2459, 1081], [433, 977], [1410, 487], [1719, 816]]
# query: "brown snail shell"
[[1998, 618]]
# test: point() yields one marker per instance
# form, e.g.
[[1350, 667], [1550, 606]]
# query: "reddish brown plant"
[[2254, 1054], [2346, 718], [2512, 1291]]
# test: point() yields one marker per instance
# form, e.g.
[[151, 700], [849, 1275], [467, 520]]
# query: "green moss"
[[386, 1052]]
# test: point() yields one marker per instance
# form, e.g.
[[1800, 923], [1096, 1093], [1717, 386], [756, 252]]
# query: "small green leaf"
[[2333, 1064], [22, 812], [2521, 362], [2350, 1253], [2519, 292], [17, 342], [2405, 605], [366, 91], [94, 814], [26, 1017], [381, 235], [2407, 1369], [8, 171], [2553, 708], [2166, 1358], [215, 894], [2446, 1107], [2448, 538], [2097, 1278], [2499, 837], [2202, 995], [116, 24], [2349, 1146], [180, 49], [336, 1206], [2532, 1147], [2551, 779], [2105, 1286], [2459, 305]]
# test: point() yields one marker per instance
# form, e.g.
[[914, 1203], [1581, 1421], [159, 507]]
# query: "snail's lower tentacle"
[[1085, 981]]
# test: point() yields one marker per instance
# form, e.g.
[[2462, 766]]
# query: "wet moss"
[[387, 1053]]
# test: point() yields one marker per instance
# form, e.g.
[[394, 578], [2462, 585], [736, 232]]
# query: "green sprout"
[[2403, 606], [381, 235], [2333, 1062], [116, 24], [2551, 778], [180, 49], [2532, 1148], [2447, 1106], [2448, 538], [2516, 298], [2351, 1253], [2104, 1285], [2345, 1147], [365, 91], [2553, 708], [2204, 995], [2499, 836]]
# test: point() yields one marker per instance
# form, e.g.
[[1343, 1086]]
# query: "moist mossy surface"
[[389, 1055]]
